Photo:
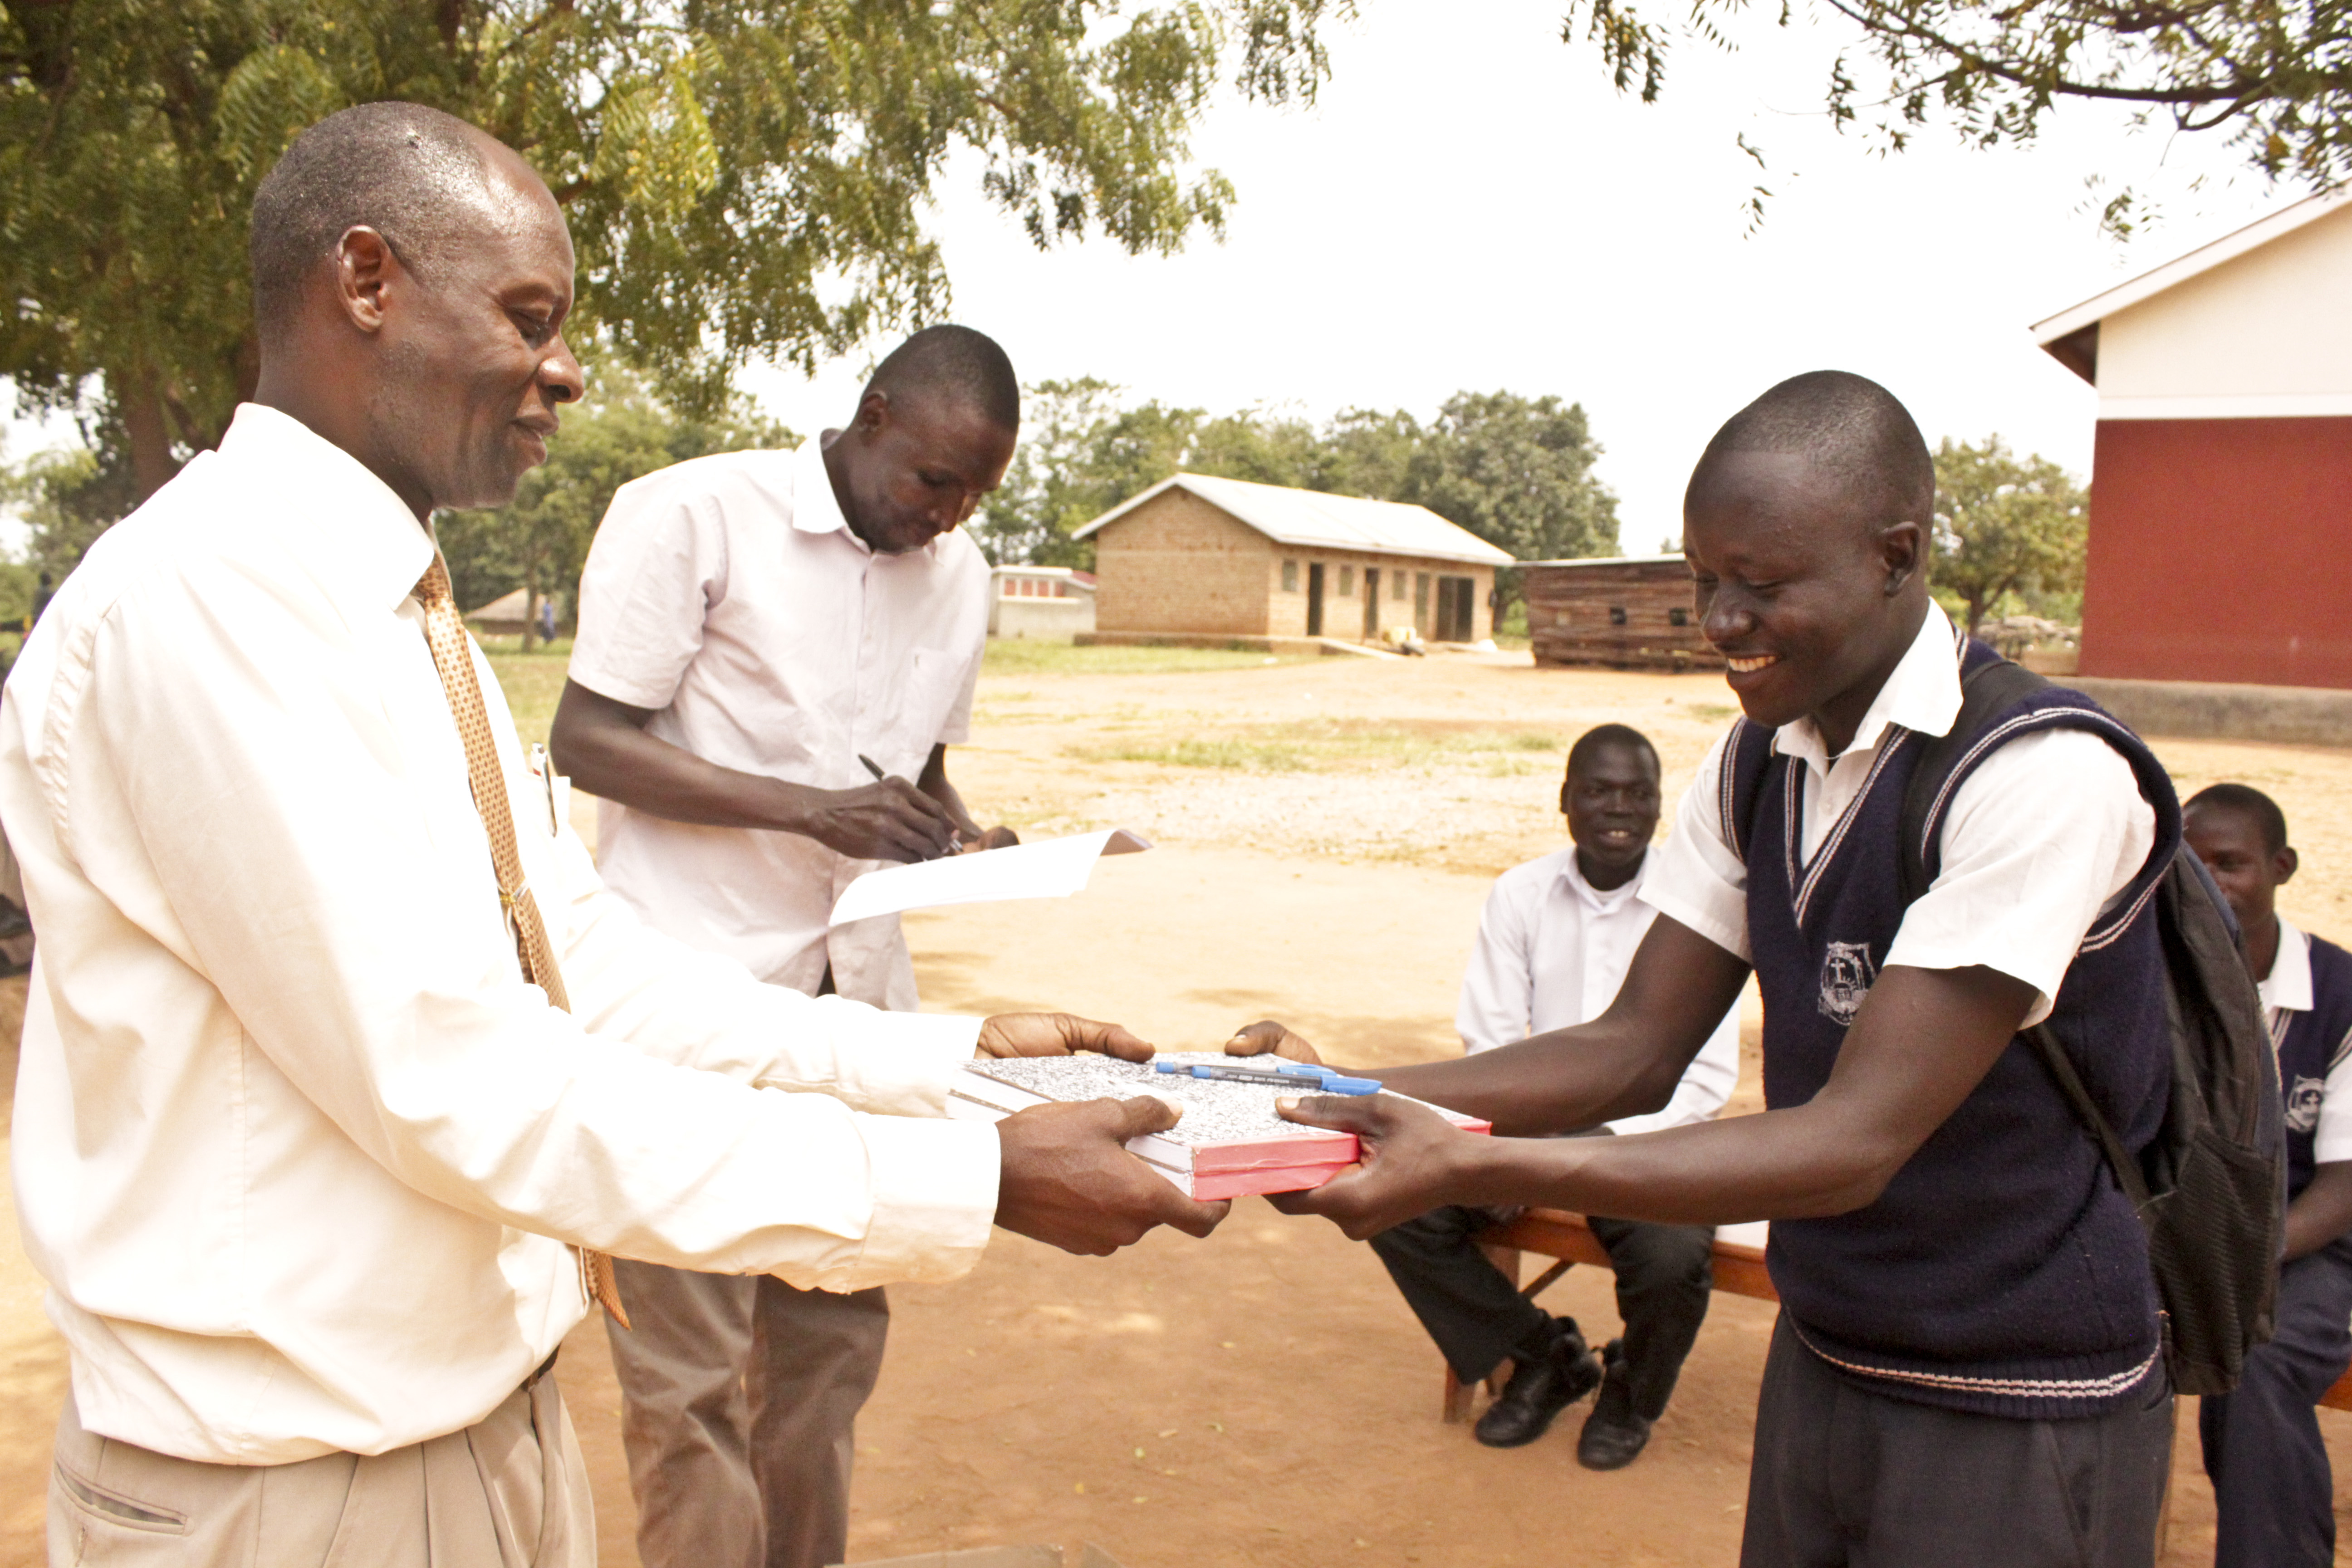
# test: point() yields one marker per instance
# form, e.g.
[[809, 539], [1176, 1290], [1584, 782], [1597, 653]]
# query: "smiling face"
[[908, 468], [471, 358], [1611, 798], [1811, 600]]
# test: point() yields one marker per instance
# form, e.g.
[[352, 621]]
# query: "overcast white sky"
[[1471, 205]]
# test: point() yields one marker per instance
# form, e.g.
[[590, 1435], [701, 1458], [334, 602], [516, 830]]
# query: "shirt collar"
[[2288, 986], [815, 509], [345, 524], [1571, 874], [1923, 696]]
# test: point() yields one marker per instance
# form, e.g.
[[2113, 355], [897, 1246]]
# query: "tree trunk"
[[142, 406], [530, 606]]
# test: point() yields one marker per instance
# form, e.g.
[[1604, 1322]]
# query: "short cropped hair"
[[1850, 426], [963, 366], [412, 173], [2248, 802], [1602, 737]]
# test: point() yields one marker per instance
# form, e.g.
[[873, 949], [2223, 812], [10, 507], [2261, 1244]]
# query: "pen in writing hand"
[[955, 840]]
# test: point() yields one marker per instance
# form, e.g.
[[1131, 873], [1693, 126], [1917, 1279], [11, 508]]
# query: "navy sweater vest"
[[2002, 1271], [2309, 1044]]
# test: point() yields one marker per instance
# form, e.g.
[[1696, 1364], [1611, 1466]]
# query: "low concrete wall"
[[2217, 710], [1219, 639], [1047, 619]]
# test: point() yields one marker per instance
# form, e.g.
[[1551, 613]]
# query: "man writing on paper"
[[760, 631], [342, 1075]]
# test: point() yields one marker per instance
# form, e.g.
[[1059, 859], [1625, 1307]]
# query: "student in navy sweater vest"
[[1968, 1367], [2270, 1471]]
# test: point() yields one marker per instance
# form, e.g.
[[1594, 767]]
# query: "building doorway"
[[1371, 603], [1315, 598], [1456, 609]]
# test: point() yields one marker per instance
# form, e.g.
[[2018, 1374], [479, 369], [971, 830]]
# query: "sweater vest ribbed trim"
[[2309, 1045], [2002, 1271]]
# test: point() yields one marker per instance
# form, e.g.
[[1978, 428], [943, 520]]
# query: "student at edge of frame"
[[1553, 945], [2274, 1489], [1967, 1368]]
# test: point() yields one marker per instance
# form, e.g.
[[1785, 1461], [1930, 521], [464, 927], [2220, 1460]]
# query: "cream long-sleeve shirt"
[[296, 1147]]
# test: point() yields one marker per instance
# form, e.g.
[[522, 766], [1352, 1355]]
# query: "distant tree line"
[[1516, 472]]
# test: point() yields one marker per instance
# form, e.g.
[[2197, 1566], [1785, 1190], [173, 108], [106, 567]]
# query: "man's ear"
[[365, 271], [2286, 862], [872, 413], [1902, 551]]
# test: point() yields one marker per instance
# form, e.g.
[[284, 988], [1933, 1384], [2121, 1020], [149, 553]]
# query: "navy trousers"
[[1664, 1273], [2276, 1494]]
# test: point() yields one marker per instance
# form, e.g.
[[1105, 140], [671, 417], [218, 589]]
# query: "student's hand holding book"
[[1413, 1160], [1266, 1038]]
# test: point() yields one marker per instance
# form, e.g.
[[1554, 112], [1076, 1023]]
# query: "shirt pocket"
[[934, 679]]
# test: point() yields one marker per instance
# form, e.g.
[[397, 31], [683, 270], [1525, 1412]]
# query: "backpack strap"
[[1990, 687]]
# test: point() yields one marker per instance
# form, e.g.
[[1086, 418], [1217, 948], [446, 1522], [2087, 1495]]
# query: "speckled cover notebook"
[[1229, 1142]]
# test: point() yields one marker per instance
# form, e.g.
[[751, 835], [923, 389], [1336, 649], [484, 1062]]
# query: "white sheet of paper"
[[1051, 868]]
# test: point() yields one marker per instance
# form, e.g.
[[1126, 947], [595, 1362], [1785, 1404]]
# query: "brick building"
[[2221, 533], [1050, 601], [1209, 556], [1628, 612]]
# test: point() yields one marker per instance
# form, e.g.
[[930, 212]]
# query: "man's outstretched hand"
[[1266, 1038], [1058, 1034], [1413, 1161], [1067, 1179]]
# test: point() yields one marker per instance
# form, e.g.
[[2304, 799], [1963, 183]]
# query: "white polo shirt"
[[2286, 990], [729, 595], [1552, 951], [2036, 842]]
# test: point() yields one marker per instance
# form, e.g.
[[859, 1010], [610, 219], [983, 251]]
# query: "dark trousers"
[[2271, 1484], [739, 1393], [1847, 1477], [1664, 1273]]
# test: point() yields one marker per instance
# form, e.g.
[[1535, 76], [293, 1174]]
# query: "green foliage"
[[67, 496], [1516, 472], [2006, 524], [744, 178], [540, 540], [2277, 78]]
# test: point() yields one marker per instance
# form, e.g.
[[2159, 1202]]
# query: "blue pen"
[[1315, 1080]]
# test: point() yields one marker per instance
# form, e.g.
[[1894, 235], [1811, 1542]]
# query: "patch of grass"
[[1307, 745], [1021, 656], [1713, 713], [532, 681]]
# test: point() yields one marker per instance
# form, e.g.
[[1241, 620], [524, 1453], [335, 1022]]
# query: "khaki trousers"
[[507, 1493], [741, 1393]]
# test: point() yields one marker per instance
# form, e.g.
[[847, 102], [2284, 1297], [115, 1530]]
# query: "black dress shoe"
[[1613, 1436], [1539, 1390]]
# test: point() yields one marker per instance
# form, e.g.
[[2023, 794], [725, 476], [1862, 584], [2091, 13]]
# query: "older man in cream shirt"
[[316, 1161]]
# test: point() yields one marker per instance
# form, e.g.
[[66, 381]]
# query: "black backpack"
[[2211, 1187]]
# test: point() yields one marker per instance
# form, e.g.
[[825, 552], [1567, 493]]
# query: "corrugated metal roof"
[[1310, 518]]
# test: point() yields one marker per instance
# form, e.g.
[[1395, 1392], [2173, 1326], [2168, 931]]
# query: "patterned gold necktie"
[[444, 633]]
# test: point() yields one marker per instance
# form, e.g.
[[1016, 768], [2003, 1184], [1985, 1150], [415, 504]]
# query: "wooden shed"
[[1197, 555], [1627, 612]]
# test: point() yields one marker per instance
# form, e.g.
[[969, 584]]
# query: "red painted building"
[[2221, 485]]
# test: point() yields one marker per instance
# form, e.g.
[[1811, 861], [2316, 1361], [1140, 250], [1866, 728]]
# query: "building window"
[[1616, 614], [1677, 617], [1291, 577], [1396, 587], [1347, 582]]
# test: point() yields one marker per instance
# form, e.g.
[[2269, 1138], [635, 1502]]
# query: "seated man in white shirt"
[[343, 1077], [755, 627], [1553, 946]]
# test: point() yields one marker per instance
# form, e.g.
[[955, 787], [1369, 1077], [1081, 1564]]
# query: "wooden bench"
[[1564, 1237]]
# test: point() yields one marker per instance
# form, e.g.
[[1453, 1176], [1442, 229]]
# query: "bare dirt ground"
[[1327, 832]]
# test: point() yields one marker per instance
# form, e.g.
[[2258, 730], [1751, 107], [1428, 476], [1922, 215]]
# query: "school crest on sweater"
[[1846, 975]]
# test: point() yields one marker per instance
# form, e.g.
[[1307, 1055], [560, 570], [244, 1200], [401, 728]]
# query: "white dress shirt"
[[2040, 837], [730, 595], [1552, 951], [297, 1148], [2287, 989]]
